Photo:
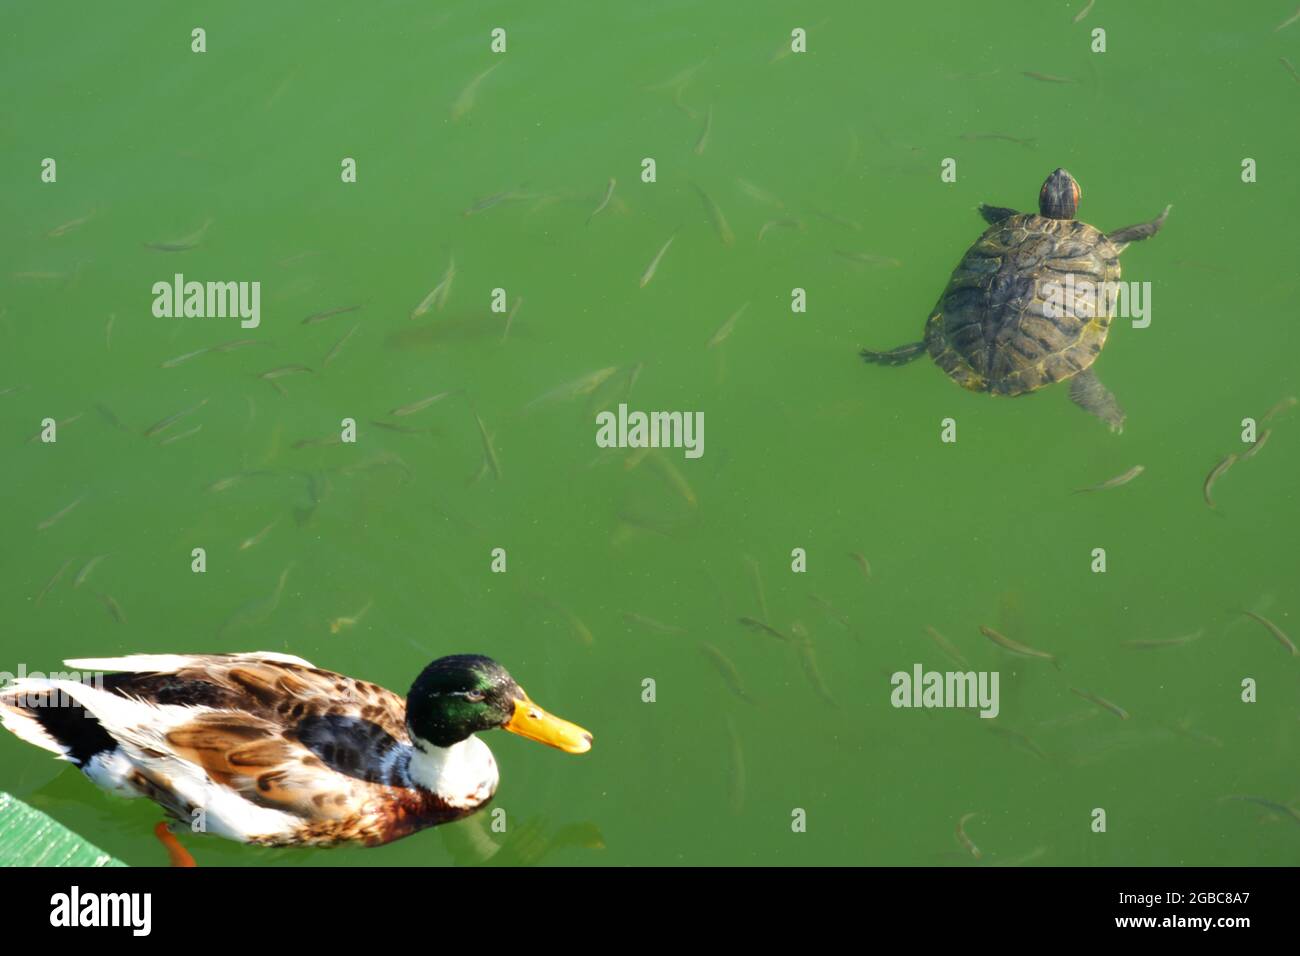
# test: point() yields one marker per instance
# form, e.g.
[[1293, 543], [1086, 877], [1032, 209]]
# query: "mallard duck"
[[268, 749]]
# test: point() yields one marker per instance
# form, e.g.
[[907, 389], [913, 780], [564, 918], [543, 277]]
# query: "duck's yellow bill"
[[534, 723]]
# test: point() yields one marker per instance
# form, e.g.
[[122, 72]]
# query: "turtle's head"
[[461, 695], [1059, 197]]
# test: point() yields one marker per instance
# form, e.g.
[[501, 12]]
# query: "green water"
[[805, 447]]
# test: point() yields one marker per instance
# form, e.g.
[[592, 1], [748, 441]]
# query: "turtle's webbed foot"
[[899, 356], [995, 214], [1088, 393], [1141, 231]]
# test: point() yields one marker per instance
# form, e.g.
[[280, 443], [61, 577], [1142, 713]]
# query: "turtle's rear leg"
[[899, 356], [1145, 230], [1088, 393]]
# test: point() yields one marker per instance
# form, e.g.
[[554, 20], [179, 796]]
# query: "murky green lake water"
[[835, 157]]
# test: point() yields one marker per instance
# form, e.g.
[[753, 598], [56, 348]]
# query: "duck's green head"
[[461, 695]]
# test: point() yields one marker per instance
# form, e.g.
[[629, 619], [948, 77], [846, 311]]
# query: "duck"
[[267, 749]]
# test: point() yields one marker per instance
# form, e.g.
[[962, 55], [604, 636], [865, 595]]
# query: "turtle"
[[1021, 310]]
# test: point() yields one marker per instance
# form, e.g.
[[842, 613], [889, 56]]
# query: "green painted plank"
[[30, 838]]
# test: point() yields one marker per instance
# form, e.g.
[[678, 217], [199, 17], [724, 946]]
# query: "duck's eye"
[[475, 695]]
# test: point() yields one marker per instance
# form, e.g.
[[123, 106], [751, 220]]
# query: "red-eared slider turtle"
[[1011, 322]]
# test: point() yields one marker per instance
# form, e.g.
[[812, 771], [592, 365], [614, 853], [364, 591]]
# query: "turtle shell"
[[1026, 306]]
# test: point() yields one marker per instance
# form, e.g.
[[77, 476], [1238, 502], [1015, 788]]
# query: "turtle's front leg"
[[899, 356], [1145, 230], [995, 214], [1088, 393]]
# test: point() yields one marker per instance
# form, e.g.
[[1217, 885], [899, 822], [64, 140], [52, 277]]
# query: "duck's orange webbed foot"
[[178, 855]]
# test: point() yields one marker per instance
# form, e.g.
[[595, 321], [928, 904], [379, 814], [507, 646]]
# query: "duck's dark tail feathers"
[[46, 716]]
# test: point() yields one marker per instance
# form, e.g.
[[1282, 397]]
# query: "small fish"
[[180, 435], [339, 623], [1215, 474], [730, 676], [1015, 647], [868, 258], [258, 538], [258, 610], [282, 371], [338, 347], [496, 199], [836, 219], [170, 420], [237, 344], [964, 840], [736, 779], [1084, 12], [180, 359], [702, 143], [679, 79], [108, 330], [510, 319], [1154, 643], [758, 194], [1279, 408], [1279, 808], [113, 607], [1257, 445], [110, 416], [1275, 631], [581, 386], [88, 567], [402, 429], [725, 329], [58, 576], [183, 244], [771, 224], [1022, 740], [54, 518], [716, 218], [329, 313], [1288, 21], [640, 620], [673, 477], [947, 647], [862, 563], [1047, 77], [422, 404], [757, 578], [438, 297], [977, 137], [464, 102], [759, 627], [654, 263], [69, 226], [609, 193], [1290, 68], [808, 658], [489, 453], [830, 611], [58, 425], [1101, 702], [322, 442], [1115, 482]]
